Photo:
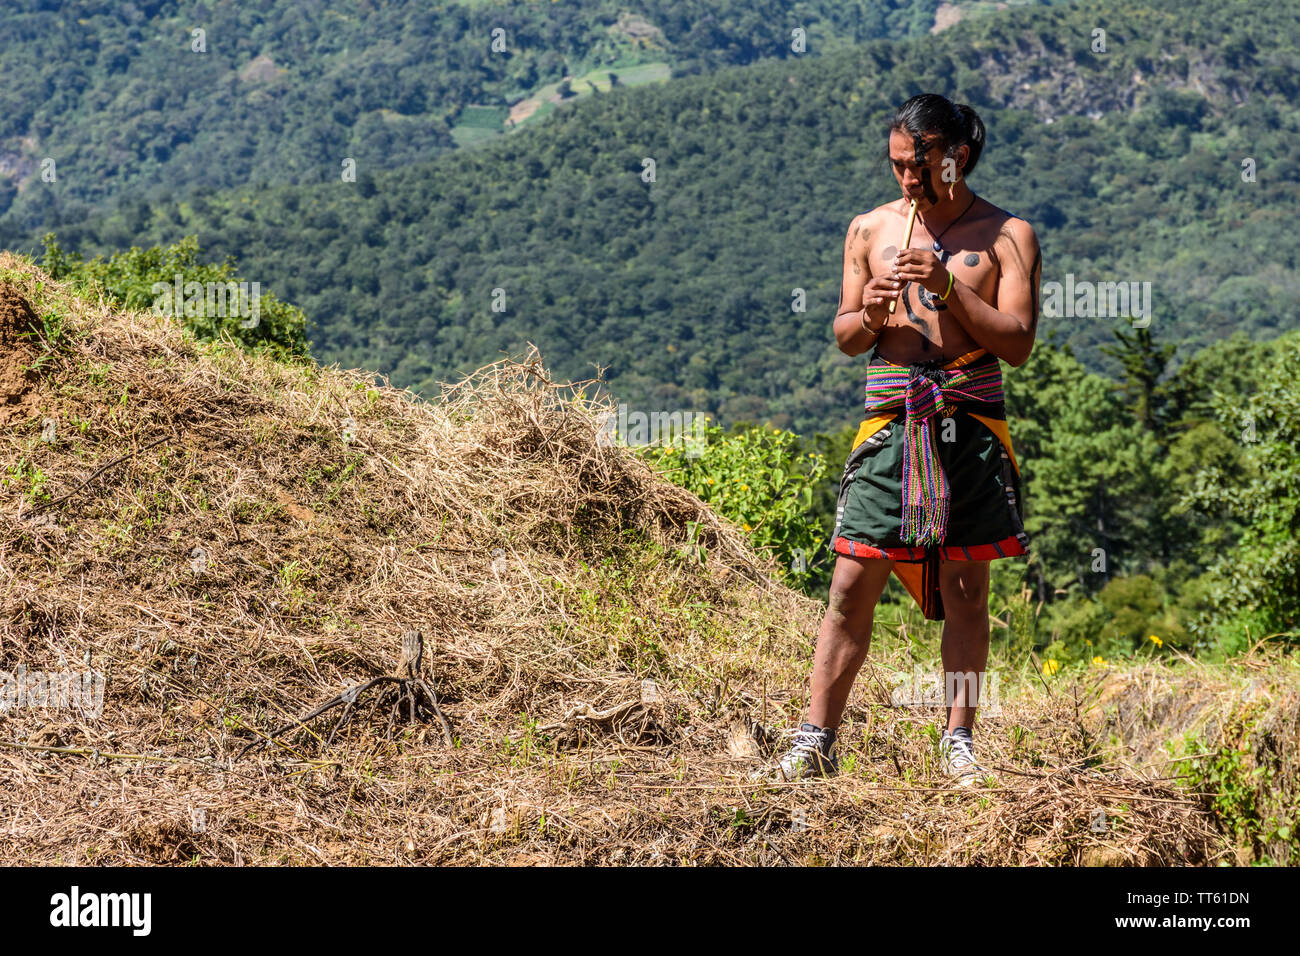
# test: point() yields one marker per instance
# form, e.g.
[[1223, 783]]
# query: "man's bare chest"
[[973, 263]]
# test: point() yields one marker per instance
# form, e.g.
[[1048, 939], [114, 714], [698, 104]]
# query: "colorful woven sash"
[[923, 393]]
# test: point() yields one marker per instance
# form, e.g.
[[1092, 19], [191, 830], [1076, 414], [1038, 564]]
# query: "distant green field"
[[546, 109], [478, 124], [486, 117], [638, 74]]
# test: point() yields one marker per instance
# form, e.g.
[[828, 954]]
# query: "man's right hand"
[[876, 296]]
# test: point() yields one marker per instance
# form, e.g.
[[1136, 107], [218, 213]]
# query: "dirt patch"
[[945, 16], [165, 841], [638, 30], [292, 508], [17, 394], [16, 166], [261, 69]]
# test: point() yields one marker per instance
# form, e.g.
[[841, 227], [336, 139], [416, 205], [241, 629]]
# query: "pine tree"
[[1144, 363]]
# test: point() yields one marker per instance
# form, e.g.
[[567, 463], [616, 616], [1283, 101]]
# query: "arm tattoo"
[[863, 233]]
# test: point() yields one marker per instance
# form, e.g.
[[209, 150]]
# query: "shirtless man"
[[931, 491]]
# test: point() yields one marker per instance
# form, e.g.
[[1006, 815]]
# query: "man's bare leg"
[[845, 634], [965, 645]]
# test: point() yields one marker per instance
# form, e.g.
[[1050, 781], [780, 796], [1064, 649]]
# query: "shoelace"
[[961, 753], [807, 742]]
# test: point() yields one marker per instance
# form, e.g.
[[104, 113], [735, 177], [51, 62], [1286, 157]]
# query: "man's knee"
[[967, 592], [849, 601]]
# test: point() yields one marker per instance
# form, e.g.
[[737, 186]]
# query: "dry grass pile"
[[234, 543]]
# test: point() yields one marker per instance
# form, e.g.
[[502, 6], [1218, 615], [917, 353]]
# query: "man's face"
[[913, 178]]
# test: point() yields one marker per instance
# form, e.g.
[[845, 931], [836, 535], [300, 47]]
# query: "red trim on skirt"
[[1006, 548]]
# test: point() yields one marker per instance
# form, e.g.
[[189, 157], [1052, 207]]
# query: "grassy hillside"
[[232, 541], [684, 288]]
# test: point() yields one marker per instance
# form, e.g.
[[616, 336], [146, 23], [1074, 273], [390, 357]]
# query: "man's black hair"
[[934, 120]]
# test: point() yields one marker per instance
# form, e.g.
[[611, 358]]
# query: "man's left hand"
[[923, 267]]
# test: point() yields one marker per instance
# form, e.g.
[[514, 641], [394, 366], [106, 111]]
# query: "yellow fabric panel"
[[999, 427], [962, 361], [911, 574], [871, 426], [959, 362]]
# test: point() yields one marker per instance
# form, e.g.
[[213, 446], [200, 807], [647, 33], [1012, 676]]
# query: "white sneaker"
[[812, 754], [957, 758]]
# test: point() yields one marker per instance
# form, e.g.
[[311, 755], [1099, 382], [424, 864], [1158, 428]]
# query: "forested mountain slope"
[[1127, 162], [129, 99]]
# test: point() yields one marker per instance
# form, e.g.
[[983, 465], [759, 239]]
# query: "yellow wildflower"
[[1099, 661], [1155, 640], [747, 527], [1050, 666]]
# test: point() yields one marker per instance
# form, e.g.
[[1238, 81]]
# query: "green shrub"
[[762, 480], [1251, 797], [1255, 586], [131, 279]]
